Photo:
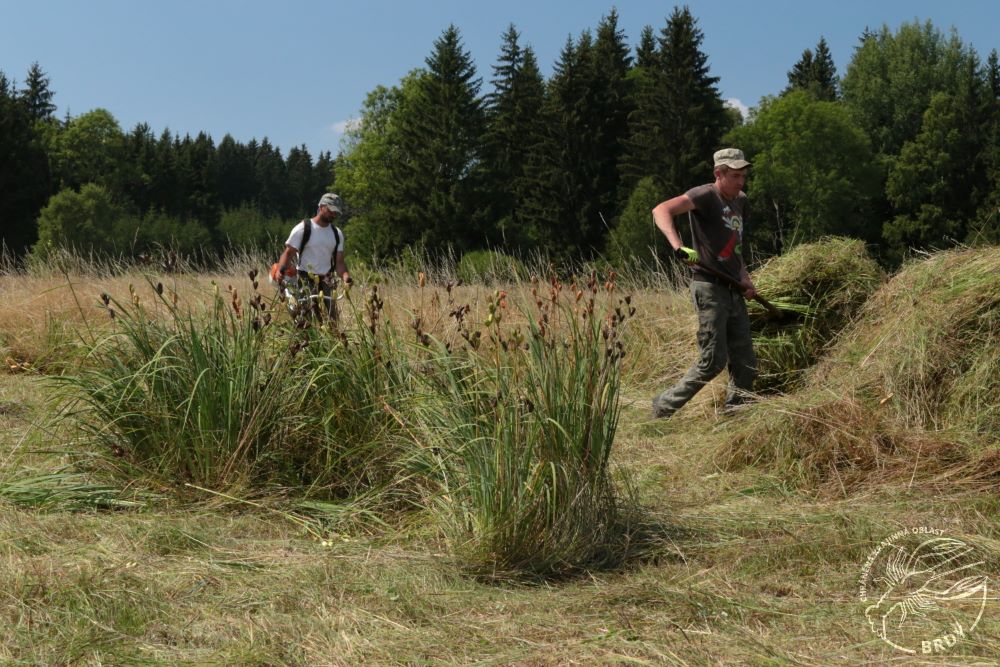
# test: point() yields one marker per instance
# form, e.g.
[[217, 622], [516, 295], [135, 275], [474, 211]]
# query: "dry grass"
[[910, 391], [761, 521], [820, 287], [747, 573]]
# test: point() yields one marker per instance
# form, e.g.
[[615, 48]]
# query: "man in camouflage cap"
[[317, 245], [720, 213]]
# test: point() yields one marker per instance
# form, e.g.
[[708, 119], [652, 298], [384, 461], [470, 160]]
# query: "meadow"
[[463, 470]]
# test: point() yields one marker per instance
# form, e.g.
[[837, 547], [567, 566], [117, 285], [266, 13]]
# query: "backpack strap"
[[336, 244], [307, 228]]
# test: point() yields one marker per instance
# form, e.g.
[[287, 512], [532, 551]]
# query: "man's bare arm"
[[663, 217], [341, 268]]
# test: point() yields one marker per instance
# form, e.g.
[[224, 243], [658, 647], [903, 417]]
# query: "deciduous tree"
[[812, 172]]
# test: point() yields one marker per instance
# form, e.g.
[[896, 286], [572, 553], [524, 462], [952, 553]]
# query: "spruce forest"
[[899, 147]]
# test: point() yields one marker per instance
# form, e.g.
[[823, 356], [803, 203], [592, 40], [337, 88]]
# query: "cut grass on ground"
[[749, 564], [747, 573]]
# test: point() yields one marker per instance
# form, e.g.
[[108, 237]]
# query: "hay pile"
[[911, 388], [820, 287], [927, 346]]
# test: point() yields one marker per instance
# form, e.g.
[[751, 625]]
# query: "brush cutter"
[[299, 296], [775, 313]]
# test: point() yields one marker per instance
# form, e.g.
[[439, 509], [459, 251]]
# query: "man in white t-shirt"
[[322, 257]]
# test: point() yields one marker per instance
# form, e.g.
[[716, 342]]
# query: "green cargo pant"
[[723, 339]]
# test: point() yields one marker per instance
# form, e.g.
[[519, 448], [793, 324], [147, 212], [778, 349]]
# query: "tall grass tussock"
[[505, 426], [187, 396], [518, 431]]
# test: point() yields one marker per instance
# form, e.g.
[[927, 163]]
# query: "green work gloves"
[[688, 254]]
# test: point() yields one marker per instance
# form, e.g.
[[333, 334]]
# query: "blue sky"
[[297, 71]]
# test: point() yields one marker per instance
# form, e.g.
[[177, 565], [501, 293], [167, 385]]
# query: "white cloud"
[[342, 126], [735, 103]]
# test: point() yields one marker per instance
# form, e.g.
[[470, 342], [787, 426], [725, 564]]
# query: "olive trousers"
[[723, 342]]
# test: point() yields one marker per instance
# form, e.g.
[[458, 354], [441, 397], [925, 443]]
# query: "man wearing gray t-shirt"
[[720, 214]]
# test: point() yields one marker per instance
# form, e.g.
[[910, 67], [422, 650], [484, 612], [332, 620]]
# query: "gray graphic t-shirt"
[[719, 229]]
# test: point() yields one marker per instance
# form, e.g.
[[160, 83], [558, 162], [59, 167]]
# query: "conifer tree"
[[515, 128], [557, 168], [993, 74], [271, 180], [645, 52], [574, 194], [679, 118], [196, 175], [25, 180], [164, 177], [987, 226], [610, 107], [442, 137], [37, 95], [234, 174], [301, 180], [801, 74], [815, 74], [323, 175], [695, 117], [135, 175], [642, 155], [825, 72]]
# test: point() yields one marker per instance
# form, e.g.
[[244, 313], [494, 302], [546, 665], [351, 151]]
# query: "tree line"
[[83, 182], [902, 151]]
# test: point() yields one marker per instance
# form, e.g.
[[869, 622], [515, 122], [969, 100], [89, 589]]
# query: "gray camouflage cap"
[[730, 157], [332, 202]]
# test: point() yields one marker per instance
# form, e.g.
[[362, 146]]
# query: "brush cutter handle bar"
[[680, 254]]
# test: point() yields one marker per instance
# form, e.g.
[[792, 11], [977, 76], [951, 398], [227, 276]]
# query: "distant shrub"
[[81, 220], [247, 227], [489, 267]]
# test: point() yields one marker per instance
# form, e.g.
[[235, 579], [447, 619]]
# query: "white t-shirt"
[[317, 256]]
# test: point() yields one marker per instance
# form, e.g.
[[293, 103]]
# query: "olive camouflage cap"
[[730, 157], [332, 202]]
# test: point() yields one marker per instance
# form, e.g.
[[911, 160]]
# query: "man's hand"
[[280, 272], [688, 254], [749, 291]]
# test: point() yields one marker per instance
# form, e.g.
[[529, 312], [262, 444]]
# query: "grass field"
[[739, 560]]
